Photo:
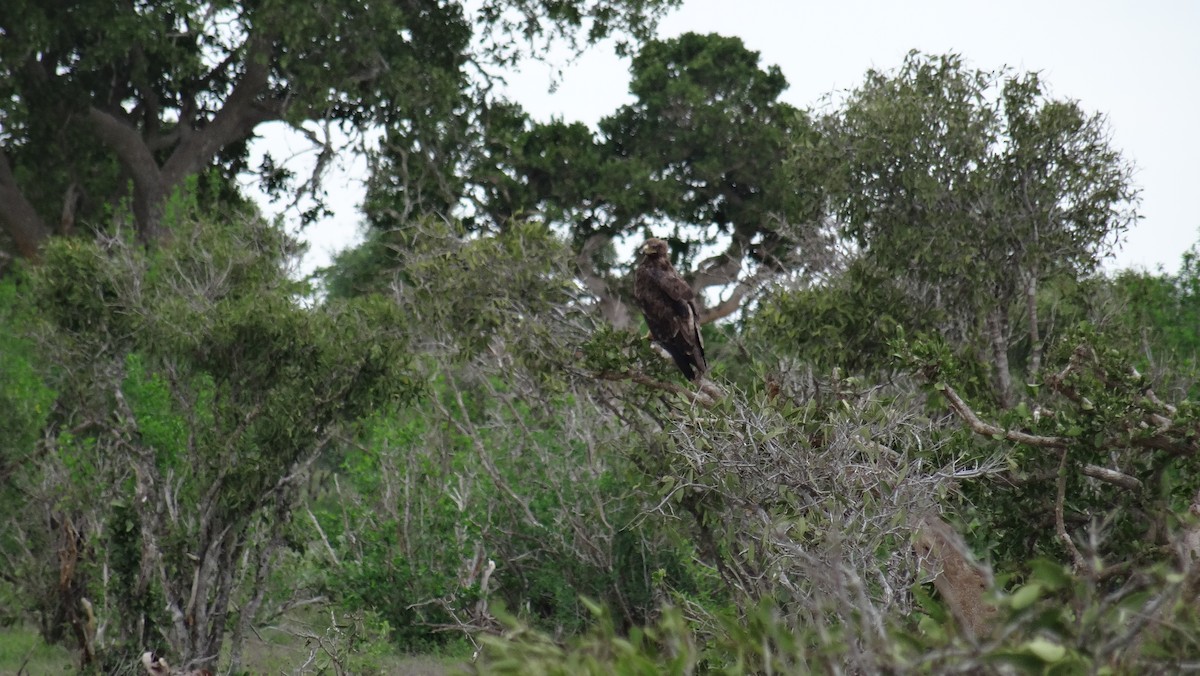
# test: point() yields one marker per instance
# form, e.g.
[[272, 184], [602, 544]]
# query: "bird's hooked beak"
[[645, 249]]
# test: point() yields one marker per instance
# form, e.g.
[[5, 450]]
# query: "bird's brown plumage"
[[668, 303]]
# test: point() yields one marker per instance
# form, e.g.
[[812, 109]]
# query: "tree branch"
[[131, 149], [724, 268], [986, 429], [982, 428], [124, 140], [242, 111], [612, 308], [701, 396], [1113, 477], [1060, 527], [734, 301]]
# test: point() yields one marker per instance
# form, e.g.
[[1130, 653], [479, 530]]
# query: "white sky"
[[1137, 62]]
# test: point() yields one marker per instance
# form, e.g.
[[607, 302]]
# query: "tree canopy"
[[701, 157], [106, 103], [977, 186]]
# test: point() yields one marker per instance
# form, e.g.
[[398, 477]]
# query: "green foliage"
[[22, 651], [971, 189], [663, 648], [487, 491], [940, 174], [507, 458], [1158, 320], [1054, 623], [24, 395], [704, 143], [200, 392], [848, 322], [456, 428], [94, 96], [1092, 412], [701, 151]]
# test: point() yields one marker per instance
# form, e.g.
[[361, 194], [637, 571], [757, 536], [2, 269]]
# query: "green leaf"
[[1046, 650], [931, 628], [1025, 596], [1051, 574]]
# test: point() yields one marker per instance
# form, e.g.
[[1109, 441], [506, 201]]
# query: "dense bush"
[[192, 395]]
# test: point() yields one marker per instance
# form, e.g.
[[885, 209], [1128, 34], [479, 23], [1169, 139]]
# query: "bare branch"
[[324, 539], [1113, 477], [485, 458], [987, 429], [1189, 537], [734, 302], [721, 269]]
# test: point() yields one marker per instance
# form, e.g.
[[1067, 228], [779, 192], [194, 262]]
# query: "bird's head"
[[654, 248]]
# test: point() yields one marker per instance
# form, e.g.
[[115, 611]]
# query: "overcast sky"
[[1136, 62]]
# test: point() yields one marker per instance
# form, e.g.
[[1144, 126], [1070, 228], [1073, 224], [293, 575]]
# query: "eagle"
[[668, 304]]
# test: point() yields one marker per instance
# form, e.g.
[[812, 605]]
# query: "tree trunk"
[[962, 582], [18, 217], [997, 333], [612, 308], [149, 186], [1035, 337]]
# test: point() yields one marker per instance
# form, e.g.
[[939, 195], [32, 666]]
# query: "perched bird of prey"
[[668, 303]]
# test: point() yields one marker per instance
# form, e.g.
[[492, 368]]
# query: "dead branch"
[[324, 539], [1113, 477], [485, 458], [975, 424], [1189, 538]]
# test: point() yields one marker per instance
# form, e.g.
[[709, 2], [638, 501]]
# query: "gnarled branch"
[[978, 426], [987, 429]]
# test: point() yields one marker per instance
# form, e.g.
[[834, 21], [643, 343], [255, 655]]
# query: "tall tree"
[[977, 186], [700, 156], [100, 95], [704, 146]]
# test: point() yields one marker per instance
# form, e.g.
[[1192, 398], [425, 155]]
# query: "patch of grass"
[[308, 641], [23, 651], [300, 643]]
